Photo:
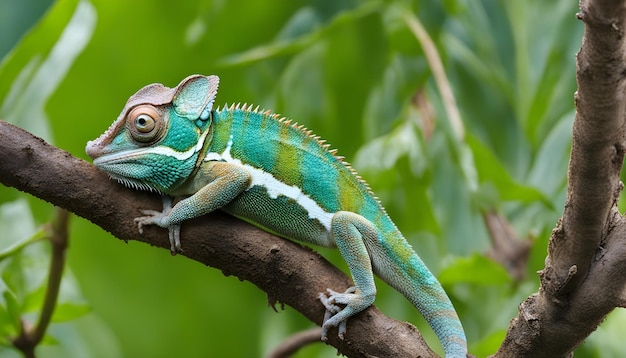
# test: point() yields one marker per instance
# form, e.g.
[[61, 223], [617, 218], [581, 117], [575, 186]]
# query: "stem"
[[56, 232], [58, 239], [436, 66], [292, 344]]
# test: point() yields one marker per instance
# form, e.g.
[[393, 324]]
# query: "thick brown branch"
[[288, 272], [598, 145], [584, 274]]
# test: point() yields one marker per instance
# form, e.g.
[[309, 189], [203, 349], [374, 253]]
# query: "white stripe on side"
[[275, 187]]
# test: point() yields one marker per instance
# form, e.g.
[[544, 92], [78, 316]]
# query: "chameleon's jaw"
[[103, 158], [119, 167], [125, 171], [145, 168], [104, 161]]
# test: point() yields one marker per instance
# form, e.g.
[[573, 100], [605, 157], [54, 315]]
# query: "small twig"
[[436, 66], [466, 158], [56, 232], [426, 112], [293, 343], [507, 248]]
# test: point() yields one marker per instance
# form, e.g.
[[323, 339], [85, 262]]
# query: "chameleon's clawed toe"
[[174, 237], [336, 316]]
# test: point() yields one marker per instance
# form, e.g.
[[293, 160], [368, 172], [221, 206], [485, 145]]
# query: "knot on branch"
[[555, 285], [618, 157], [613, 218], [529, 313], [600, 17]]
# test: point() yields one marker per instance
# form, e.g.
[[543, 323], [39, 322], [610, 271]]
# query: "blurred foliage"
[[355, 73]]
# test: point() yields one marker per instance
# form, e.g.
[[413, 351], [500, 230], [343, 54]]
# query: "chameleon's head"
[[157, 139]]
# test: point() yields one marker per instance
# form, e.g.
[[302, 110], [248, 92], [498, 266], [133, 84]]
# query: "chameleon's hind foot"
[[336, 315]]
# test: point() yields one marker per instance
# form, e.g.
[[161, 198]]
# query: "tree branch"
[[291, 345], [273, 264], [583, 278]]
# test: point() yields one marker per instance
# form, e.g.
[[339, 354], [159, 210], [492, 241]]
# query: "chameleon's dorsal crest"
[[195, 95]]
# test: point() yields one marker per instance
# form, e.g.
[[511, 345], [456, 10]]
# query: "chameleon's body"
[[276, 175]]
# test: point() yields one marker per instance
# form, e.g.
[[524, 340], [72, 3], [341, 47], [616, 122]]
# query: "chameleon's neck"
[[221, 127], [208, 140]]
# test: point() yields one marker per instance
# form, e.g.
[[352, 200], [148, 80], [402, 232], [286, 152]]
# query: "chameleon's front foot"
[[158, 218], [337, 316], [161, 218]]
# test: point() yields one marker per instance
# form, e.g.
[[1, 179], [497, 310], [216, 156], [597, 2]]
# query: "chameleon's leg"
[[174, 231], [216, 184], [350, 231]]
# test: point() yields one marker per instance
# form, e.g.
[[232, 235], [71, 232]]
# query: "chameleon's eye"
[[144, 123]]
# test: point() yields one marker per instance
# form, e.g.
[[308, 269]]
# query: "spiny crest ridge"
[[309, 133]]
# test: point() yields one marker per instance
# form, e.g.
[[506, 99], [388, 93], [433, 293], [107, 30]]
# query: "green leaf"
[[16, 17], [549, 170], [384, 152], [49, 340], [304, 29], [31, 89], [10, 311], [19, 271], [476, 269], [491, 171], [488, 345], [68, 311], [17, 226], [608, 338]]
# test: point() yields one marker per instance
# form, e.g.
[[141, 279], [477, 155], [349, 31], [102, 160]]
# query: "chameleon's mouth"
[[127, 169], [114, 158], [145, 170], [116, 164]]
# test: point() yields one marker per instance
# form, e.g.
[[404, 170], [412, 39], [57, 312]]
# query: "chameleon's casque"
[[274, 174]]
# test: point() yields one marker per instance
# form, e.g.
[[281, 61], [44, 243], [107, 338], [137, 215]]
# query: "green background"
[[349, 70]]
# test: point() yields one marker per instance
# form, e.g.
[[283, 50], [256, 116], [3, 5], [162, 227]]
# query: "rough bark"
[[286, 271], [583, 278]]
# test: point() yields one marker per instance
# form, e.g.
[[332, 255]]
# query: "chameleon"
[[275, 174]]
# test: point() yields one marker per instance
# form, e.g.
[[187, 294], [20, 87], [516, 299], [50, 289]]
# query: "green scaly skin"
[[276, 175]]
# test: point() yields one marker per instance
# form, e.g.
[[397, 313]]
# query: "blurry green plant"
[[356, 73]]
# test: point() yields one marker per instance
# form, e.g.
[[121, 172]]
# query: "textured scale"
[[275, 174]]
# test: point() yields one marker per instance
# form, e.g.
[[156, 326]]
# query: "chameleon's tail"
[[432, 302], [413, 279]]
